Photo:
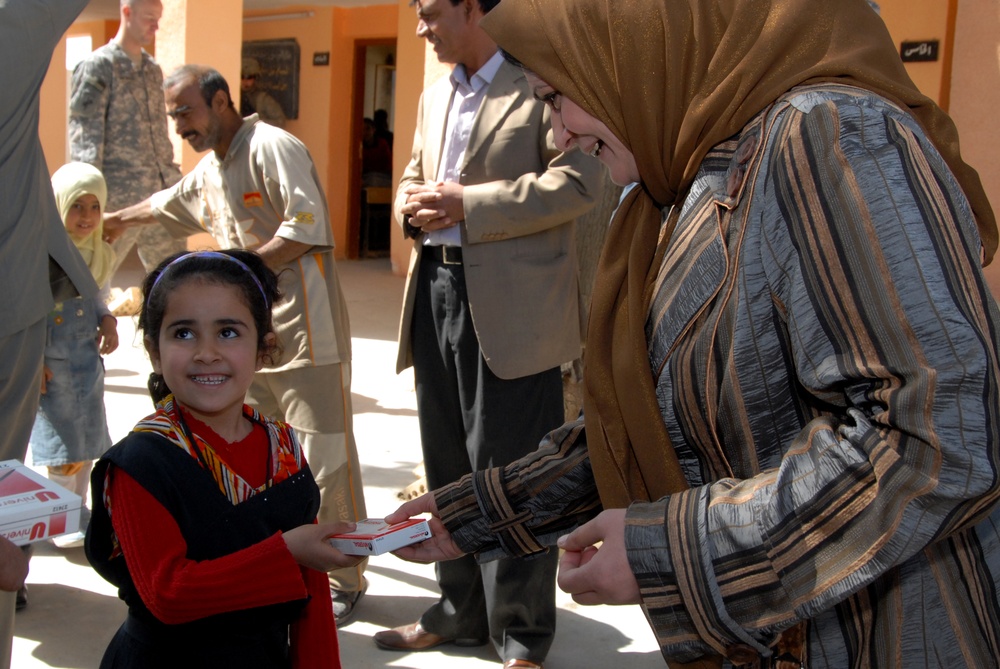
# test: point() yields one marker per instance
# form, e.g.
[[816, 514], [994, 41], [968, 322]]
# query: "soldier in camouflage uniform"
[[255, 100], [118, 123]]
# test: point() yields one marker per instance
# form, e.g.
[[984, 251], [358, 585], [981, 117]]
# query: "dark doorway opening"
[[371, 171]]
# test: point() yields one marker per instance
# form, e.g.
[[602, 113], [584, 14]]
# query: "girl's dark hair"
[[233, 267]]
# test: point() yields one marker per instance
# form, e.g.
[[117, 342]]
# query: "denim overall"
[[71, 425]]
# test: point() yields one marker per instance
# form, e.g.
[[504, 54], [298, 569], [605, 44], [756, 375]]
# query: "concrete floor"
[[73, 613]]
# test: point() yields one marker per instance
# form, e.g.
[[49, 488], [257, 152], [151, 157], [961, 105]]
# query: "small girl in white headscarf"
[[71, 428]]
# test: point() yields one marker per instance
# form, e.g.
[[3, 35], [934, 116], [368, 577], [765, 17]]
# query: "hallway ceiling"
[[108, 9]]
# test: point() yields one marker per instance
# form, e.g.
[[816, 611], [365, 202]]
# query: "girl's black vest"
[[212, 527]]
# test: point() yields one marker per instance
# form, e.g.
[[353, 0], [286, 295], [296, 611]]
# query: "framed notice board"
[[279, 70]]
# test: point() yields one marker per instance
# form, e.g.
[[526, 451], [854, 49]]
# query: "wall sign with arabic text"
[[918, 52]]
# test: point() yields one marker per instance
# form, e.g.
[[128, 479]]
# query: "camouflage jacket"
[[118, 123], [265, 106]]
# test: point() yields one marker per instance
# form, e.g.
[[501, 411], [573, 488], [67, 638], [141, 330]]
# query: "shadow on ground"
[[53, 608], [363, 404], [605, 643]]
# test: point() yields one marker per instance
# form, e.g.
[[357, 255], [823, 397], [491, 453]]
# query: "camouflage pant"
[[153, 242]]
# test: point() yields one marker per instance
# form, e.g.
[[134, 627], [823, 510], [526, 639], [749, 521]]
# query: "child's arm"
[[178, 590], [46, 377], [107, 335], [309, 546], [313, 637]]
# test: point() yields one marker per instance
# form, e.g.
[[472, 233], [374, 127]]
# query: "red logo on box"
[[16, 483], [57, 524]]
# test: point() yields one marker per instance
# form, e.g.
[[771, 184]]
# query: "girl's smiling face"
[[207, 351], [572, 126], [83, 217]]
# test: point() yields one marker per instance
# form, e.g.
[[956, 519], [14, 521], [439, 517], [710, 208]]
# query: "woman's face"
[[572, 126]]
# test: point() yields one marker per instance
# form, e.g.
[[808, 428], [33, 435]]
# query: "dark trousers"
[[469, 420]]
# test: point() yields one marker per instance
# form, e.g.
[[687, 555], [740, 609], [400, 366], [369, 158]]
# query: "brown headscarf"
[[671, 79]]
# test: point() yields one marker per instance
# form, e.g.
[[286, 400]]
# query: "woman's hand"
[[107, 336], [598, 574], [309, 546], [13, 566], [439, 547]]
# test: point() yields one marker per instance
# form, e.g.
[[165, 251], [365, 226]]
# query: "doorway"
[[371, 165]]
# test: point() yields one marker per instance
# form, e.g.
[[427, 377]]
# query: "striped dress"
[[825, 352]]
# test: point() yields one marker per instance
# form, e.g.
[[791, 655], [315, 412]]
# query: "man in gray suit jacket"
[[491, 311], [37, 258]]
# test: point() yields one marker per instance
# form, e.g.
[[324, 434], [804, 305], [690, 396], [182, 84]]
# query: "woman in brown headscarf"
[[792, 374]]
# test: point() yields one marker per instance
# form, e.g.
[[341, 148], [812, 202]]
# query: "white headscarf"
[[69, 183]]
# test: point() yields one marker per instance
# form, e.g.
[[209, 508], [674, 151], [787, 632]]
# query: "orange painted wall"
[[52, 115], [110, 30]]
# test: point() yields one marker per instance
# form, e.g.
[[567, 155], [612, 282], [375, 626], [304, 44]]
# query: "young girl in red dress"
[[204, 515]]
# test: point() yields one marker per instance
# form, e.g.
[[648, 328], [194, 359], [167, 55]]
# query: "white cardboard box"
[[374, 536], [32, 507]]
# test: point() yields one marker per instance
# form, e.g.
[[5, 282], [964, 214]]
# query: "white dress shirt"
[[466, 98]]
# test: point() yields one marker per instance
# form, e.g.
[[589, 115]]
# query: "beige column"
[[206, 33]]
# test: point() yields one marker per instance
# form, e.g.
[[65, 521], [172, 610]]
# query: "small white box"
[[374, 536], [32, 507]]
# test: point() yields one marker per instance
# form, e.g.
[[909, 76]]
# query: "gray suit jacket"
[[521, 198], [31, 230]]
